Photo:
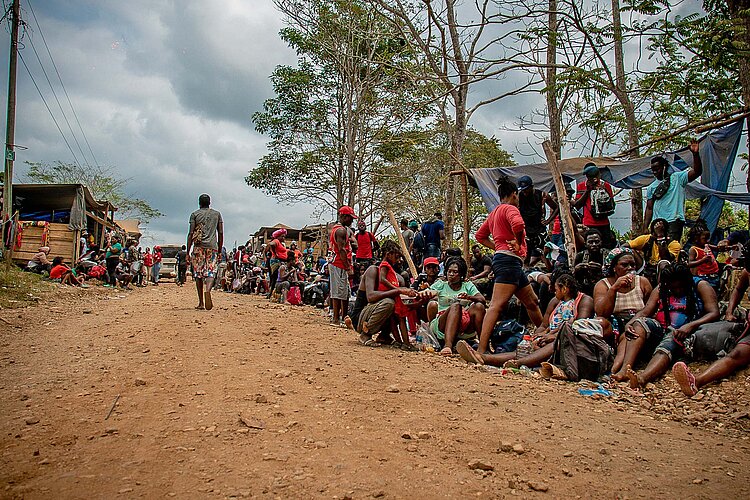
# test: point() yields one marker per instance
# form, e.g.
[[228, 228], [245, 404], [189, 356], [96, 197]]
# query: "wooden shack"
[[317, 235], [56, 215]]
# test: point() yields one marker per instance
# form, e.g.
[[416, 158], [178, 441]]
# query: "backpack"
[[418, 244], [581, 353], [294, 296], [602, 203], [714, 340], [506, 335]]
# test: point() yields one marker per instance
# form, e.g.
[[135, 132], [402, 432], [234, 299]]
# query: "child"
[[701, 260], [389, 280]]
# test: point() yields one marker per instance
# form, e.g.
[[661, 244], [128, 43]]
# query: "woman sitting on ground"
[[567, 306], [63, 273], [737, 359], [674, 312], [454, 321], [618, 297]]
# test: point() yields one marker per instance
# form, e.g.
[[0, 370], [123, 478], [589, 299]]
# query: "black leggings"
[[111, 267]]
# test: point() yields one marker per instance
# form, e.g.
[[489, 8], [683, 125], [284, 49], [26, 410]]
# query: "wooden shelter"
[[315, 234], [57, 215], [132, 228]]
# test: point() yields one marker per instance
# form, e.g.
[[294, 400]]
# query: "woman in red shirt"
[[505, 232]]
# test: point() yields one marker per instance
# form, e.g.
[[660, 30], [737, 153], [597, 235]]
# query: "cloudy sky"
[[164, 91]]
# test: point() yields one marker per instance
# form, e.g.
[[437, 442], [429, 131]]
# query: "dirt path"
[[324, 419]]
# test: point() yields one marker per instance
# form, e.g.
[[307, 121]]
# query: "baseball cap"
[[590, 169], [431, 261], [525, 182], [347, 210]]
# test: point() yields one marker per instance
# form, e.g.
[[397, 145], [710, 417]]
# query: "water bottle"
[[524, 347]]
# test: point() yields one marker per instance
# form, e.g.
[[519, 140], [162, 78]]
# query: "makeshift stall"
[[56, 215]]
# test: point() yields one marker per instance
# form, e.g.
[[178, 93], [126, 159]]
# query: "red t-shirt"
[[337, 259], [364, 244], [58, 271], [502, 224], [588, 219]]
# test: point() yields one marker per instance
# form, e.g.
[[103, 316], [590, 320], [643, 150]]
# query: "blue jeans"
[[432, 250], [155, 272], [557, 239]]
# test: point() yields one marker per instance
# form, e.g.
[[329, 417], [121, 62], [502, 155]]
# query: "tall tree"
[[346, 94]]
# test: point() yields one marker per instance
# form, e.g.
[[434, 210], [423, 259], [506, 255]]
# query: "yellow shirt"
[[638, 243]]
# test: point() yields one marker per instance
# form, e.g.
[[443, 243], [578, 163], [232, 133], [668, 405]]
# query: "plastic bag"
[[426, 338]]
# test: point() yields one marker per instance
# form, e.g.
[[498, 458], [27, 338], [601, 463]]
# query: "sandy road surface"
[[324, 419]]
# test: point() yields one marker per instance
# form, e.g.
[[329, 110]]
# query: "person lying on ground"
[[63, 273], [568, 305], [39, 262], [375, 317], [461, 307], [388, 279], [675, 310], [618, 297], [504, 232]]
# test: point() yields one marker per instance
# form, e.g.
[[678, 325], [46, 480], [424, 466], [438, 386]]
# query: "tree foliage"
[[103, 183]]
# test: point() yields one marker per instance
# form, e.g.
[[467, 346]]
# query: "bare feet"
[[621, 376], [200, 307], [635, 381], [348, 323], [511, 364], [446, 351], [685, 379]]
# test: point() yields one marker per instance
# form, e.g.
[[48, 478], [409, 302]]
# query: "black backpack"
[[581, 355], [602, 203]]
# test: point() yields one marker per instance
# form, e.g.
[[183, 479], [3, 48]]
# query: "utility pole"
[[10, 133]]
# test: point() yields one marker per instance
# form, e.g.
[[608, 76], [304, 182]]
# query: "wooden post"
[[465, 215], [402, 244], [563, 202]]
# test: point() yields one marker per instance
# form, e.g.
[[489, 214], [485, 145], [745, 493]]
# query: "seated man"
[[481, 271], [588, 263], [568, 305], [123, 274], [460, 306], [675, 310], [63, 273], [377, 307], [658, 249]]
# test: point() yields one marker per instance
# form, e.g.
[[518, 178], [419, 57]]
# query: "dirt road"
[[323, 417]]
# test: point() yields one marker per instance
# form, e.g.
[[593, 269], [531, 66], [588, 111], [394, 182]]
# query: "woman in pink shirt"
[[505, 232]]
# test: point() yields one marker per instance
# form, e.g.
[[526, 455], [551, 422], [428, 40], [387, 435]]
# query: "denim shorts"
[[665, 338], [508, 270]]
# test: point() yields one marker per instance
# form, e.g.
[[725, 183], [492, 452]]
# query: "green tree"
[[103, 183], [348, 93]]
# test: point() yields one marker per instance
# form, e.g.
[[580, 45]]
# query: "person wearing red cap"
[[341, 243]]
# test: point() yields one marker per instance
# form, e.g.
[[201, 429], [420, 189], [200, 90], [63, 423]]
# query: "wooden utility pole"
[[11, 117], [402, 244], [563, 201]]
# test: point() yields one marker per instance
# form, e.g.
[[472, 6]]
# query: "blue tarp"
[[718, 150]]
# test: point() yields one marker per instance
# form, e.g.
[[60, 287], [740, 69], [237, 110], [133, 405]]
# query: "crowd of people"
[[645, 298]]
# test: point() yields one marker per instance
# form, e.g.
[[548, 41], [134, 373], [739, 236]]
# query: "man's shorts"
[[204, 262], [339, 281], [509, 270], [376, 315]]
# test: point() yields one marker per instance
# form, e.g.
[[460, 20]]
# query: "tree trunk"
[[553, 108], [636, 197]]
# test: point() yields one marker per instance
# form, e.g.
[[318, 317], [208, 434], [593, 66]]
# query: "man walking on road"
[[205, 237], [340, 269]]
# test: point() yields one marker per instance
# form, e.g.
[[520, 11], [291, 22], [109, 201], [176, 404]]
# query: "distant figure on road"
[[205, 237]]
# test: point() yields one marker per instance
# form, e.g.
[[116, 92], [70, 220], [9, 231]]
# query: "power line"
[[65, 91], [65, 117], [20, 56]]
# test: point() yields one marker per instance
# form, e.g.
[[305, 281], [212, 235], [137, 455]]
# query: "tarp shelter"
[[56, 215], [718, 150]]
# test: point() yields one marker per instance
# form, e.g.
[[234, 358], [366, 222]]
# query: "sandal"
[[685, 379], [369, 343], [468, 354], [409, 347]]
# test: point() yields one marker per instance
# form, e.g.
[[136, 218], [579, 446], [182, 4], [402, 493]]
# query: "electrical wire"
[[54, 94], [23, 61], [65, 91]]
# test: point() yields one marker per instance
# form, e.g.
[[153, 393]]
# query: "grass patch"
[[19, 288]]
